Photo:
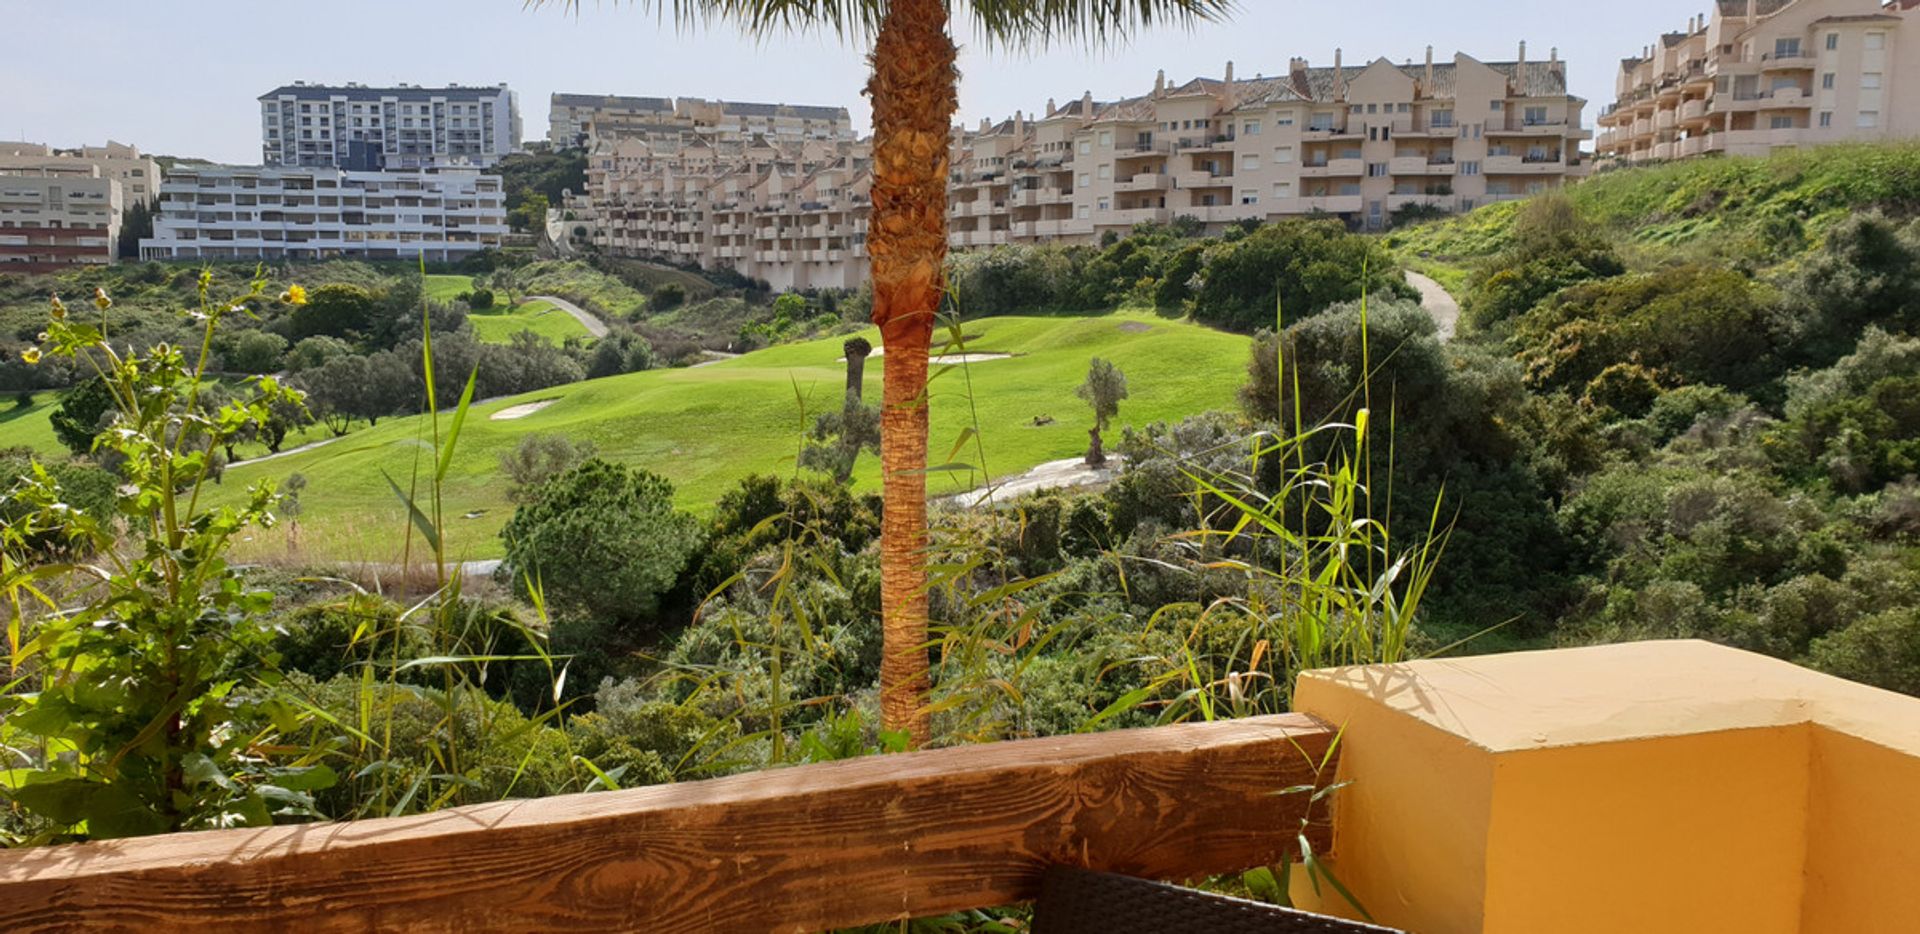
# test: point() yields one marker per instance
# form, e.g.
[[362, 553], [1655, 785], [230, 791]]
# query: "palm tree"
[[914, 94]]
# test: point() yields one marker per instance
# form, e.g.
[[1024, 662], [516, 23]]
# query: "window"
[[1086, 146], [1868, 119], [1085, 212], [1106, 172], [1250, 162], [1106, 139], [1321, 121], [1250, 128], [1535, 115], [1469, 168], [1373, 108], [1833, 41], [1085, 180], [1283, 189], [1826, 81], [1496, 105], [1283, 120], [1105, 205], [1786, 48], [1870, 81], [1376, 170], [1404, 107], [1781, 123], [1441, 118], [1283, 154], [1373, 133], [1249, 196], [1826, 118], [1354, 109], [1875, 41]]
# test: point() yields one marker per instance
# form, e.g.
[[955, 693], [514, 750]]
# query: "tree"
[[602, 540], [257, 352], [914, 94], [1103, 390], [136, 224], [531, 215], [539, 458], [837, 439], [336, 310], [81, 414], [480, 299]]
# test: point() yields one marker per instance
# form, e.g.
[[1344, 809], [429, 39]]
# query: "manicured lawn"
[[28, 427], [497, 325], [706, 428]]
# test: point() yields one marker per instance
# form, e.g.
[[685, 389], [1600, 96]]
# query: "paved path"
[[593, 324], [716, 356], [1445, 311], [286, 453]]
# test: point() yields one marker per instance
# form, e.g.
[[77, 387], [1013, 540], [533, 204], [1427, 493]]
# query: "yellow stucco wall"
[[1647, 787]]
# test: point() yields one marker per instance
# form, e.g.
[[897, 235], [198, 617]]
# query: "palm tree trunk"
[[914, 98]]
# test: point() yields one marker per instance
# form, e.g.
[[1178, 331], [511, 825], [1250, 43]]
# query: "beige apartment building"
[[1758, 75], [585, 119], [137, 173], [62, 207], [1353, 141]]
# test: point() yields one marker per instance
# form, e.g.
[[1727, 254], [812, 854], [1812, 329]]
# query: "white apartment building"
[[287, 213], [56, 216], [363, 128], [581, 120], [1758, 75], [138, 174], [1357, 142]]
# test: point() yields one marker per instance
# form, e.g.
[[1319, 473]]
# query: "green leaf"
[[453, 431], [311, 778], [420, 520], [1261, 883], [63, 801]]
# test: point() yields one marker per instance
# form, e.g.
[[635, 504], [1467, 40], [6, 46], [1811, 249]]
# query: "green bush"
[[1297, 268], [602, 541], [257, 352], [480, 299]]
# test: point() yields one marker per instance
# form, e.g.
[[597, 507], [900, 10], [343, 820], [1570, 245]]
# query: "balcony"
[[1419, 165], [1144, 181], [1334, 168], [1204, 178], [1525, 165], [1654, 787], [1787, 61], [1693, 110], [1131, 216], [1331, 204], [1397, 201]]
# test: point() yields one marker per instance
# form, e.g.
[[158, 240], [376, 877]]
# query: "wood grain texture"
[[799, 849]]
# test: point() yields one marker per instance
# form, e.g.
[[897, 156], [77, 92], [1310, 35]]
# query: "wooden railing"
[[800, 849]]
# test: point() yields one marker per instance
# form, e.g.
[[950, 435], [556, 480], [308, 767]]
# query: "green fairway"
[[705, 428], [498, 324], [28, 427]]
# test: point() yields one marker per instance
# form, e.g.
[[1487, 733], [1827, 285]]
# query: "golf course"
[[705, 428]]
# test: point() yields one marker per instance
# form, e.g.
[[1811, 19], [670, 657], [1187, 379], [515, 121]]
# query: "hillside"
[[1747, 212], [705, 428]]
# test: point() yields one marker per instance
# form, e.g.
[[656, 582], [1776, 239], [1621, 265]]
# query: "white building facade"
[[283, 213], [363, 128]]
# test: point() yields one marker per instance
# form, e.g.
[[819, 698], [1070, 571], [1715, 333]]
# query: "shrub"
[[602, 540], [668, 296], [539, 458], [480, 299], [338, 310], [257, 352], [1882, 650], [1299, 267]]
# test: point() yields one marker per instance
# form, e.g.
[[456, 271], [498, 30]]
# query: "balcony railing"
[[809, 848]]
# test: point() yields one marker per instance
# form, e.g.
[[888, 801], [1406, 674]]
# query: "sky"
[[180, 77]]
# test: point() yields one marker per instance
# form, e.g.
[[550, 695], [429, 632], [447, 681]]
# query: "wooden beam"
[[798, 849]]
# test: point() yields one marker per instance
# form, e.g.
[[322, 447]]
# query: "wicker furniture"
[[1079, 901]]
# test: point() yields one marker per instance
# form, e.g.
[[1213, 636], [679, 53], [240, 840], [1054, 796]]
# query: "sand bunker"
[[522, 410]]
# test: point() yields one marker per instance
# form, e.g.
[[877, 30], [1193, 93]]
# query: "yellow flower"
[[59, 308], [100, 299], [31, 355], [294, 295]]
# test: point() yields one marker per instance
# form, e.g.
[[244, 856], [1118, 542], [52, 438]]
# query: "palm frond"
[[1010, 23]]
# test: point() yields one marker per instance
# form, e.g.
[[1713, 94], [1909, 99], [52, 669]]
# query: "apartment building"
[[407, 127], [1358, 142], [1753, 76], [583, 119], [289, 213], [56, 216], [137, 173]]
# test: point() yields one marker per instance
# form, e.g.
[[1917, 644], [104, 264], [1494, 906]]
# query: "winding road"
[[594, 325], [1445, 311]]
